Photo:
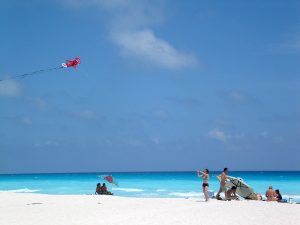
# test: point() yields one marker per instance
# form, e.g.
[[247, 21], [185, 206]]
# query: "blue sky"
[[163, 85]]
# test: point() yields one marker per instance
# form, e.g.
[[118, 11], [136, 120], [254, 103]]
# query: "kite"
[[109, 179], [69, 63]]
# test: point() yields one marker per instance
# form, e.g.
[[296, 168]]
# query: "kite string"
[[38, 71], [33, 73]]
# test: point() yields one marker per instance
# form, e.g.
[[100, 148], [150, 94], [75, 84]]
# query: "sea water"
[[147, 184]]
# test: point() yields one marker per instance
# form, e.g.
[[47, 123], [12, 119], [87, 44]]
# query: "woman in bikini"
[[205, 176]]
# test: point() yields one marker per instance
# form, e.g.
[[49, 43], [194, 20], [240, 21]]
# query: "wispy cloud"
[[9, 88], [39, 103], [48, 143], [223, 136], [237, 97], [145, 46], [218, 135], [130, 23]]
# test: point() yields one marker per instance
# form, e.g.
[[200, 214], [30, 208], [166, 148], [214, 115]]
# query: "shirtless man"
[[270, 194], [222, 184]]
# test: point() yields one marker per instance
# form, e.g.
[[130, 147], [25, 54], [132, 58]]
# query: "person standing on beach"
[[205, 176], [222, 184]]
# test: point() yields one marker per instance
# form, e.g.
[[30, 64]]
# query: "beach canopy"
[[242, 188], [109, 179]]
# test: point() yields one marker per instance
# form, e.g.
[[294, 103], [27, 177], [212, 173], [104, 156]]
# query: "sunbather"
[[231, 194], [270, 194], [104, 190], [98, 189], [278, 196]]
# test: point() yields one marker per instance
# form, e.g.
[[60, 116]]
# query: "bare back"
[[223, 179], [270, 194]]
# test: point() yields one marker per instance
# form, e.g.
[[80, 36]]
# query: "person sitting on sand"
[[205, 176], [98, 189], [104, 190], [231, 193], [223, 184], [278, 196], [270, 194]]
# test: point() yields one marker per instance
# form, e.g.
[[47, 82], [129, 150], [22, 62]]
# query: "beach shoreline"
[[43, 209]]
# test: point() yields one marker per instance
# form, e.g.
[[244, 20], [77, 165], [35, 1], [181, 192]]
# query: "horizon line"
[[149, 171]]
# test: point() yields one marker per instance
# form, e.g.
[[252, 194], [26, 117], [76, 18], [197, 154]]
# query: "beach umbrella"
[[109, 179], [242, 188]]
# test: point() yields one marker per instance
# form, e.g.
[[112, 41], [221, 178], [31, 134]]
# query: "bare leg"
[[219, 192], [225, 192], [205, 191]]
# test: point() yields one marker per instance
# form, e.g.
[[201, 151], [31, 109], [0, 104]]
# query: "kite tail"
[[32, 73]]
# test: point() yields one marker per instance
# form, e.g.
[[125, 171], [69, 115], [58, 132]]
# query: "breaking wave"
[[128, 189], [24, 190]]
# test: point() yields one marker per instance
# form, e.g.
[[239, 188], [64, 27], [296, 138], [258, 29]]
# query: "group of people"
[[102, 190], [272, 195], [230, 194], [205, 177]]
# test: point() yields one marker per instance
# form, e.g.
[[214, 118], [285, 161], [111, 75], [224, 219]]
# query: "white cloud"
[[218, 135], [132, 142], [9, 88], [144, 45], [237, 97], [129, 28]]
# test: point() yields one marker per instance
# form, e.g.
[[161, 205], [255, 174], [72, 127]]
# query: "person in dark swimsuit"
[[205, 176], [104, 190], [278, 195], [98, 189]]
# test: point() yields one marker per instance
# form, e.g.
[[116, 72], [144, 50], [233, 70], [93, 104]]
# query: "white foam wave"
[[161, 190], [186, 194], [128, 189], [292, 197], [148, 195], [24, 190]]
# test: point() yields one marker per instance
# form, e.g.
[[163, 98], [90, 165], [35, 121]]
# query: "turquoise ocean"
[[147, 184]]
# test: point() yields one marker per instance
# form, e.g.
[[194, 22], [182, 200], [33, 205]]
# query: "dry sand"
[[39, 209]]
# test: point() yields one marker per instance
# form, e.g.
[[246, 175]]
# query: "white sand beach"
[[40, 209]]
